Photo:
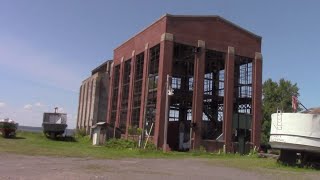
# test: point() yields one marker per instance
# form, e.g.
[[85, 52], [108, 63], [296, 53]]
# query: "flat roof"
[[100, 66]]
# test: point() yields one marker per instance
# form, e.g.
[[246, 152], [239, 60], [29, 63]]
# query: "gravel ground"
[[40, 167]]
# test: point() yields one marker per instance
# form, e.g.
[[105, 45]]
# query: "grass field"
[[28, 143]]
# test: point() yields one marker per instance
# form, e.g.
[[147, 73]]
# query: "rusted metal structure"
[[215, 69]]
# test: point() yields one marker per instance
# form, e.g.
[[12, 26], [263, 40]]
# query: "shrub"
[[151, 146], [121, 144], [134, 130], [80, 132]]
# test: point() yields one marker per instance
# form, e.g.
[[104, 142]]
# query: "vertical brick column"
[[144, 89], [93, 102], [165, 64], [89, 102], [228, 97], [110, 94], [198, 90], [96, 88], [80, 108], [120, 93], [256, 99], [131, 88], [85, 103]]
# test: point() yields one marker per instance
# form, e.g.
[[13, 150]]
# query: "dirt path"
[[40, 167]]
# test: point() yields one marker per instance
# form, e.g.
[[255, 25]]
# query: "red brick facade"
[[204, 33]]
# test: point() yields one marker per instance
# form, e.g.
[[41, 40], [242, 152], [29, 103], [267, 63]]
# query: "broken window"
[[137, 92], [152, 88], [175, 83], [115, 86], [173, 114], [125, 95], [213, 97]]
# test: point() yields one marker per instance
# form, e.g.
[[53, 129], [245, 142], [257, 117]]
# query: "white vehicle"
[[297, 135]]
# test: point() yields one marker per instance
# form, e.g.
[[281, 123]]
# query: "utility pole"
[[145, 112], [169, 91]]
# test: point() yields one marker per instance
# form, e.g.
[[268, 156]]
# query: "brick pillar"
[[97, 93], [120, 93], [89, 102], [228, 97], [144, 90], [85, 102], [110, 94], [165, 64], [80, 108], [256, 99], [132, 73], [93, 108], [197, 103]]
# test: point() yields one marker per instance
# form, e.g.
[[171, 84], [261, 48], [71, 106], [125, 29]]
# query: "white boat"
[[295, 131]]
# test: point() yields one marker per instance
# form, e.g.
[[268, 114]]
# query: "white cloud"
[[27, 107], [2, 104], [38, 104]]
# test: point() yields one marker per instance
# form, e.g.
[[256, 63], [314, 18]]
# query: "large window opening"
[[242, 117], [212, 117], [181, 81], [115, 90], [125, 96], [137, 90], [152, 88]]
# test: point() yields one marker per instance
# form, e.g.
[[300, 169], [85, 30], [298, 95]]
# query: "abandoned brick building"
[[215, 70]]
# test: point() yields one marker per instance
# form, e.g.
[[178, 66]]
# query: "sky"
[[48, 47]]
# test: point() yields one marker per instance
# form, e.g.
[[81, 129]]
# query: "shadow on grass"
[[14, 137], [314, 165], [17, 138], [63, 138]]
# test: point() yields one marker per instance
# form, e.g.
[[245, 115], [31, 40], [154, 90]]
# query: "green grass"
[[28, 143]]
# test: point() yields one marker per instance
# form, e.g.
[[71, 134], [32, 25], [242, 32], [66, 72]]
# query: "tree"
[[276, 95]]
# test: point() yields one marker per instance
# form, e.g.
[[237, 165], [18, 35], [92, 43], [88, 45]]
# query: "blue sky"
[[48, 47]]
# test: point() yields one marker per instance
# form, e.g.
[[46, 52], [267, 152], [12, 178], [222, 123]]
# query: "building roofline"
[[191, 16], [144, 29], [218, 17], [97, 68]]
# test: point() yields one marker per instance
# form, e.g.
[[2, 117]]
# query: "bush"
[[134, 130], [80, 133], [150, 146], [121, 144]]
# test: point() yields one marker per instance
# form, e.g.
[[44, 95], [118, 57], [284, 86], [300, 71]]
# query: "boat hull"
[[295, 131]]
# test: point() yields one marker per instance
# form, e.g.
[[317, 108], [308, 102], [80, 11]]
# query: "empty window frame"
[[137, 92], [154, 56], [125, 95], [173, 114], [176, 83], [115, 86]]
